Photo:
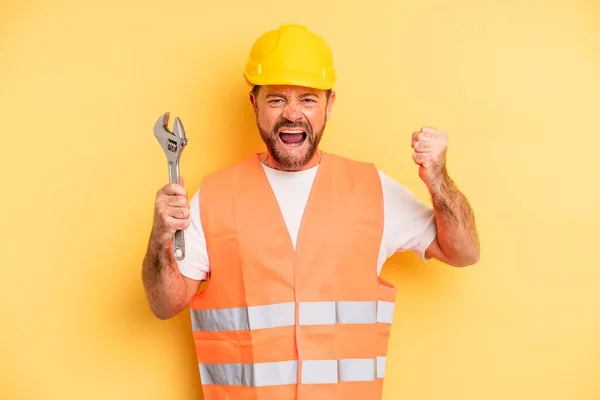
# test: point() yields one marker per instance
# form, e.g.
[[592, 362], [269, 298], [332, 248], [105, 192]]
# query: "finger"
[[177, 212], [424, 136], [420, 158], [176, 201], [181, 224], [428, 129], [174, 189], [423, 147], [172, 224], [415, 136]]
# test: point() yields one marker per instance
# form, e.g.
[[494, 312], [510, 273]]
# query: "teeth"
[[292, 131]]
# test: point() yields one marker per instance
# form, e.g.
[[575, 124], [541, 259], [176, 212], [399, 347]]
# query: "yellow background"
[[516, 86]]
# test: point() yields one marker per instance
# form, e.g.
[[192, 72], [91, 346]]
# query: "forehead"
[[290, 90]]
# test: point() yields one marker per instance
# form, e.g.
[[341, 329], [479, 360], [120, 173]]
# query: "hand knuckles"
[[164, 219], [161, 200]]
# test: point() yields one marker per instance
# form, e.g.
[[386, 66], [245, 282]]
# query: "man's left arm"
[[457, 241]]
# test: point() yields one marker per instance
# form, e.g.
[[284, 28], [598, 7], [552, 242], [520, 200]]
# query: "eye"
[[275, 101], [308, 101]]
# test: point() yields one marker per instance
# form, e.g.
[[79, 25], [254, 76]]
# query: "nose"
[[292, 111]]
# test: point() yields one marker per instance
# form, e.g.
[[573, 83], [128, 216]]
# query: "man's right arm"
[[168, 291]]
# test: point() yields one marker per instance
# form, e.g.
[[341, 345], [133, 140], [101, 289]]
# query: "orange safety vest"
[[276, 323]]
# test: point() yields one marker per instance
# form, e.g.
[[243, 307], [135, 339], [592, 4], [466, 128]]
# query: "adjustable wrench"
[[172, 144]]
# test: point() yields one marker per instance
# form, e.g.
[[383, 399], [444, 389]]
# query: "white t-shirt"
[[409, 224]]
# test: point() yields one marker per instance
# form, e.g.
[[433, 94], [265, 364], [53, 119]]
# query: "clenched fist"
[[430, 147], [171, 213]]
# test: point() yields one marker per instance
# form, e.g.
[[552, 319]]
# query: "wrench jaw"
[[172, 143], [160, 130], [179, 131]]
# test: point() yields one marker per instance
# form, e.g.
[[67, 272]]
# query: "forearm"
[[165, 287], [457, 233]]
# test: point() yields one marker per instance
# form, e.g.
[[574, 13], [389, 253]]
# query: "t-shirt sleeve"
[[409, 224], [195, 264]]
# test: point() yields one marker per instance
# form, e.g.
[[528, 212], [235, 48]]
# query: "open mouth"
[[292, 137]]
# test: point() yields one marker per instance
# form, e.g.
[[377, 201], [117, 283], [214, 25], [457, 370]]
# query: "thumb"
[[181, 180]]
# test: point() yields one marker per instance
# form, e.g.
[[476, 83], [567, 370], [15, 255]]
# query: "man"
[[292, 241]]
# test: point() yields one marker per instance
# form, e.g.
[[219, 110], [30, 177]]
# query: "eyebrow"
[[306, 94]]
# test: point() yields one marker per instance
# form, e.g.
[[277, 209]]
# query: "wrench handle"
[[173, 172], [178, 238], [178, 246]]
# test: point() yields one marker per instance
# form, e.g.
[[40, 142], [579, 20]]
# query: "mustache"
[[288, 124]]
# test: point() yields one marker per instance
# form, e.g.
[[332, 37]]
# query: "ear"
[[329, 105], [252, 100]]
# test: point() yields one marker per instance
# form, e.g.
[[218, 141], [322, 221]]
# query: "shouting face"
[[291, 121]]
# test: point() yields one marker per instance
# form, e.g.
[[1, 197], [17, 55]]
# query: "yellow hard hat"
[[291, 55]]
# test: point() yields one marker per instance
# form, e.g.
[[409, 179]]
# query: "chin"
[[294, 161]]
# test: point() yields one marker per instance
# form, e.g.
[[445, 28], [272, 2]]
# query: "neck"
[[267, 160]]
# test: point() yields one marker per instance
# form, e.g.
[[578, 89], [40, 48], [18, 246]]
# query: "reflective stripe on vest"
[[286, 372], [283, 314]]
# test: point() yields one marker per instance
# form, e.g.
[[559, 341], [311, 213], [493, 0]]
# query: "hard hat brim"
[[290, 78]]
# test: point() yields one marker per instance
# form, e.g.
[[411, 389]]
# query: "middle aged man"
[[292, 241]]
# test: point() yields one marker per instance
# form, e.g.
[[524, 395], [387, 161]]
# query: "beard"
[[291, 159]]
